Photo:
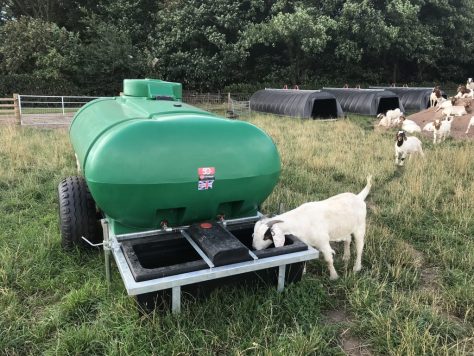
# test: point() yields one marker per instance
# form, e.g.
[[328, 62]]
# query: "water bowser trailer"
[[172, 192]]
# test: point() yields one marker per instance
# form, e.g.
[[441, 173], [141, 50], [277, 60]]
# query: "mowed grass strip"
[[414, 295]]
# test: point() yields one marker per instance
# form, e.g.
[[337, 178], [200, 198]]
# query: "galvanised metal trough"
[[172, 192]]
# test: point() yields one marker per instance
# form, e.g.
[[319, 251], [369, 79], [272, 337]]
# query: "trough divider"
[[196, 247]]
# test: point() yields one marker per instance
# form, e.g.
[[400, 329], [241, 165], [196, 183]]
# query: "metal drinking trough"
[[365, 101], [173, 193], [415, 99], [310, 104]]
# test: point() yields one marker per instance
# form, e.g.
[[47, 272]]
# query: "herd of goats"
[[458, 105], [343, 216]]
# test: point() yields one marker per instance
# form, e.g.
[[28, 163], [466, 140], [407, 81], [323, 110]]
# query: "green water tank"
[[148, 158]]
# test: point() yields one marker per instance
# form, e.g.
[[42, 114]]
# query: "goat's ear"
[[268, 234], [278, 237]]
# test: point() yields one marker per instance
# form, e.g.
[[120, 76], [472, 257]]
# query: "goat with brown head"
[[406, 146], [401, 136]]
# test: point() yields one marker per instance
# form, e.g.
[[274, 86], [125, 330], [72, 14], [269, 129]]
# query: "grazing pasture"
[[414, 294]]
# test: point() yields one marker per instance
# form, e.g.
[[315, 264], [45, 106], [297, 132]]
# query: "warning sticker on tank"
[[206, 173], [206, 178]]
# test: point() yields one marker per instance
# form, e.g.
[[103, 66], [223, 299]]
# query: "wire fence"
[[232, 105], [59, 110], [50, 110]]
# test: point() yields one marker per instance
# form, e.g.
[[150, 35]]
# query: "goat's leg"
[[422, 154], [359, 244], [328, 252], [396, 158], [402, 159], [347, 252]]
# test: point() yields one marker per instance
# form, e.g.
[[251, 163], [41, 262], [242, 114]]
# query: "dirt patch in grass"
[[337, 316], [417, 256], [354, 347], [350, 344], [458, 127], [430, 278]]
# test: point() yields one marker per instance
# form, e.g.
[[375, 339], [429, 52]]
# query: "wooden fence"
[[10, 110]]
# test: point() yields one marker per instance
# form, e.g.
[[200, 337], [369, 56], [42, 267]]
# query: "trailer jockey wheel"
[[77, 214]]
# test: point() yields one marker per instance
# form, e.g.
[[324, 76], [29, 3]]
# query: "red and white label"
[[206, 173]]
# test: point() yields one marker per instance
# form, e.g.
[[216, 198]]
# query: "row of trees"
[[88, 47]]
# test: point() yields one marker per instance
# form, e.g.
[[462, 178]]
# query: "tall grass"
[[415, 294]]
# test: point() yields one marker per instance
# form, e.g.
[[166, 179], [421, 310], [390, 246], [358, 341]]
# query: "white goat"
[[471, 123], [406, 146], [435, 97], [442, 129], [457, 110], [464, 92], [429, 127], [393, 114], [470, 84], [317, 223], [391, 118], [446, 104], [384, 120], [409, 126]]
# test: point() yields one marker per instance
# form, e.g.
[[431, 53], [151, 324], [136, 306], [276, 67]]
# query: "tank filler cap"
[[152, 89]]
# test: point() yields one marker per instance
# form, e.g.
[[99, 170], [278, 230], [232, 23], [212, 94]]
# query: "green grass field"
[[414, 295]]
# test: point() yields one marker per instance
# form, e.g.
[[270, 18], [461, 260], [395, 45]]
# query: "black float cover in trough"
[[296, 103], [366, 101], [218, 244], [416, 99]]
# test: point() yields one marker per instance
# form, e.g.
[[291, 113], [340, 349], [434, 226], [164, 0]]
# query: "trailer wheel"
[[77, 214]]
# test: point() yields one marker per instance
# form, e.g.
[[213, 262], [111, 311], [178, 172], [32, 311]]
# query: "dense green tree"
[[39, 48], [107, 56], [198, 42], [209, 44], [302, 32]]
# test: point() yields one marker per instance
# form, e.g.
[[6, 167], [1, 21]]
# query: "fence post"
[[228, 102], [62, 103], [16, 105]]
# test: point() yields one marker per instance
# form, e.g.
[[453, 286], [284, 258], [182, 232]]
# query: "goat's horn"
[[273, 222]]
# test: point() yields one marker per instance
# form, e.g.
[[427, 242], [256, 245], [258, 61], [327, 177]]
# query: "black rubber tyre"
[[77, 214]]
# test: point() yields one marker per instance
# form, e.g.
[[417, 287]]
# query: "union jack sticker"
[[205, 184]]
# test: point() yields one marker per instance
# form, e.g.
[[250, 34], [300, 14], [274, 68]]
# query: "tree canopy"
[[211, 44]]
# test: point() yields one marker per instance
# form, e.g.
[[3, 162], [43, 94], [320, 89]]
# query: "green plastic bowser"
[[150, 159]]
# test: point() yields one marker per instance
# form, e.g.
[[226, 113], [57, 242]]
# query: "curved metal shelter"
[[309, 104], [365, 101], [412, 98]]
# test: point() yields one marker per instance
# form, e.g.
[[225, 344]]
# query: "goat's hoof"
[[333, 278], [357, 269]]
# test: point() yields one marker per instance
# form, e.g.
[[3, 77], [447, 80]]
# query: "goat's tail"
[[363, 194]]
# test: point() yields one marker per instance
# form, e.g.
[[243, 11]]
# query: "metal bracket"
[[92, 244], [107, 248], [221, 219], [281, 278]]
